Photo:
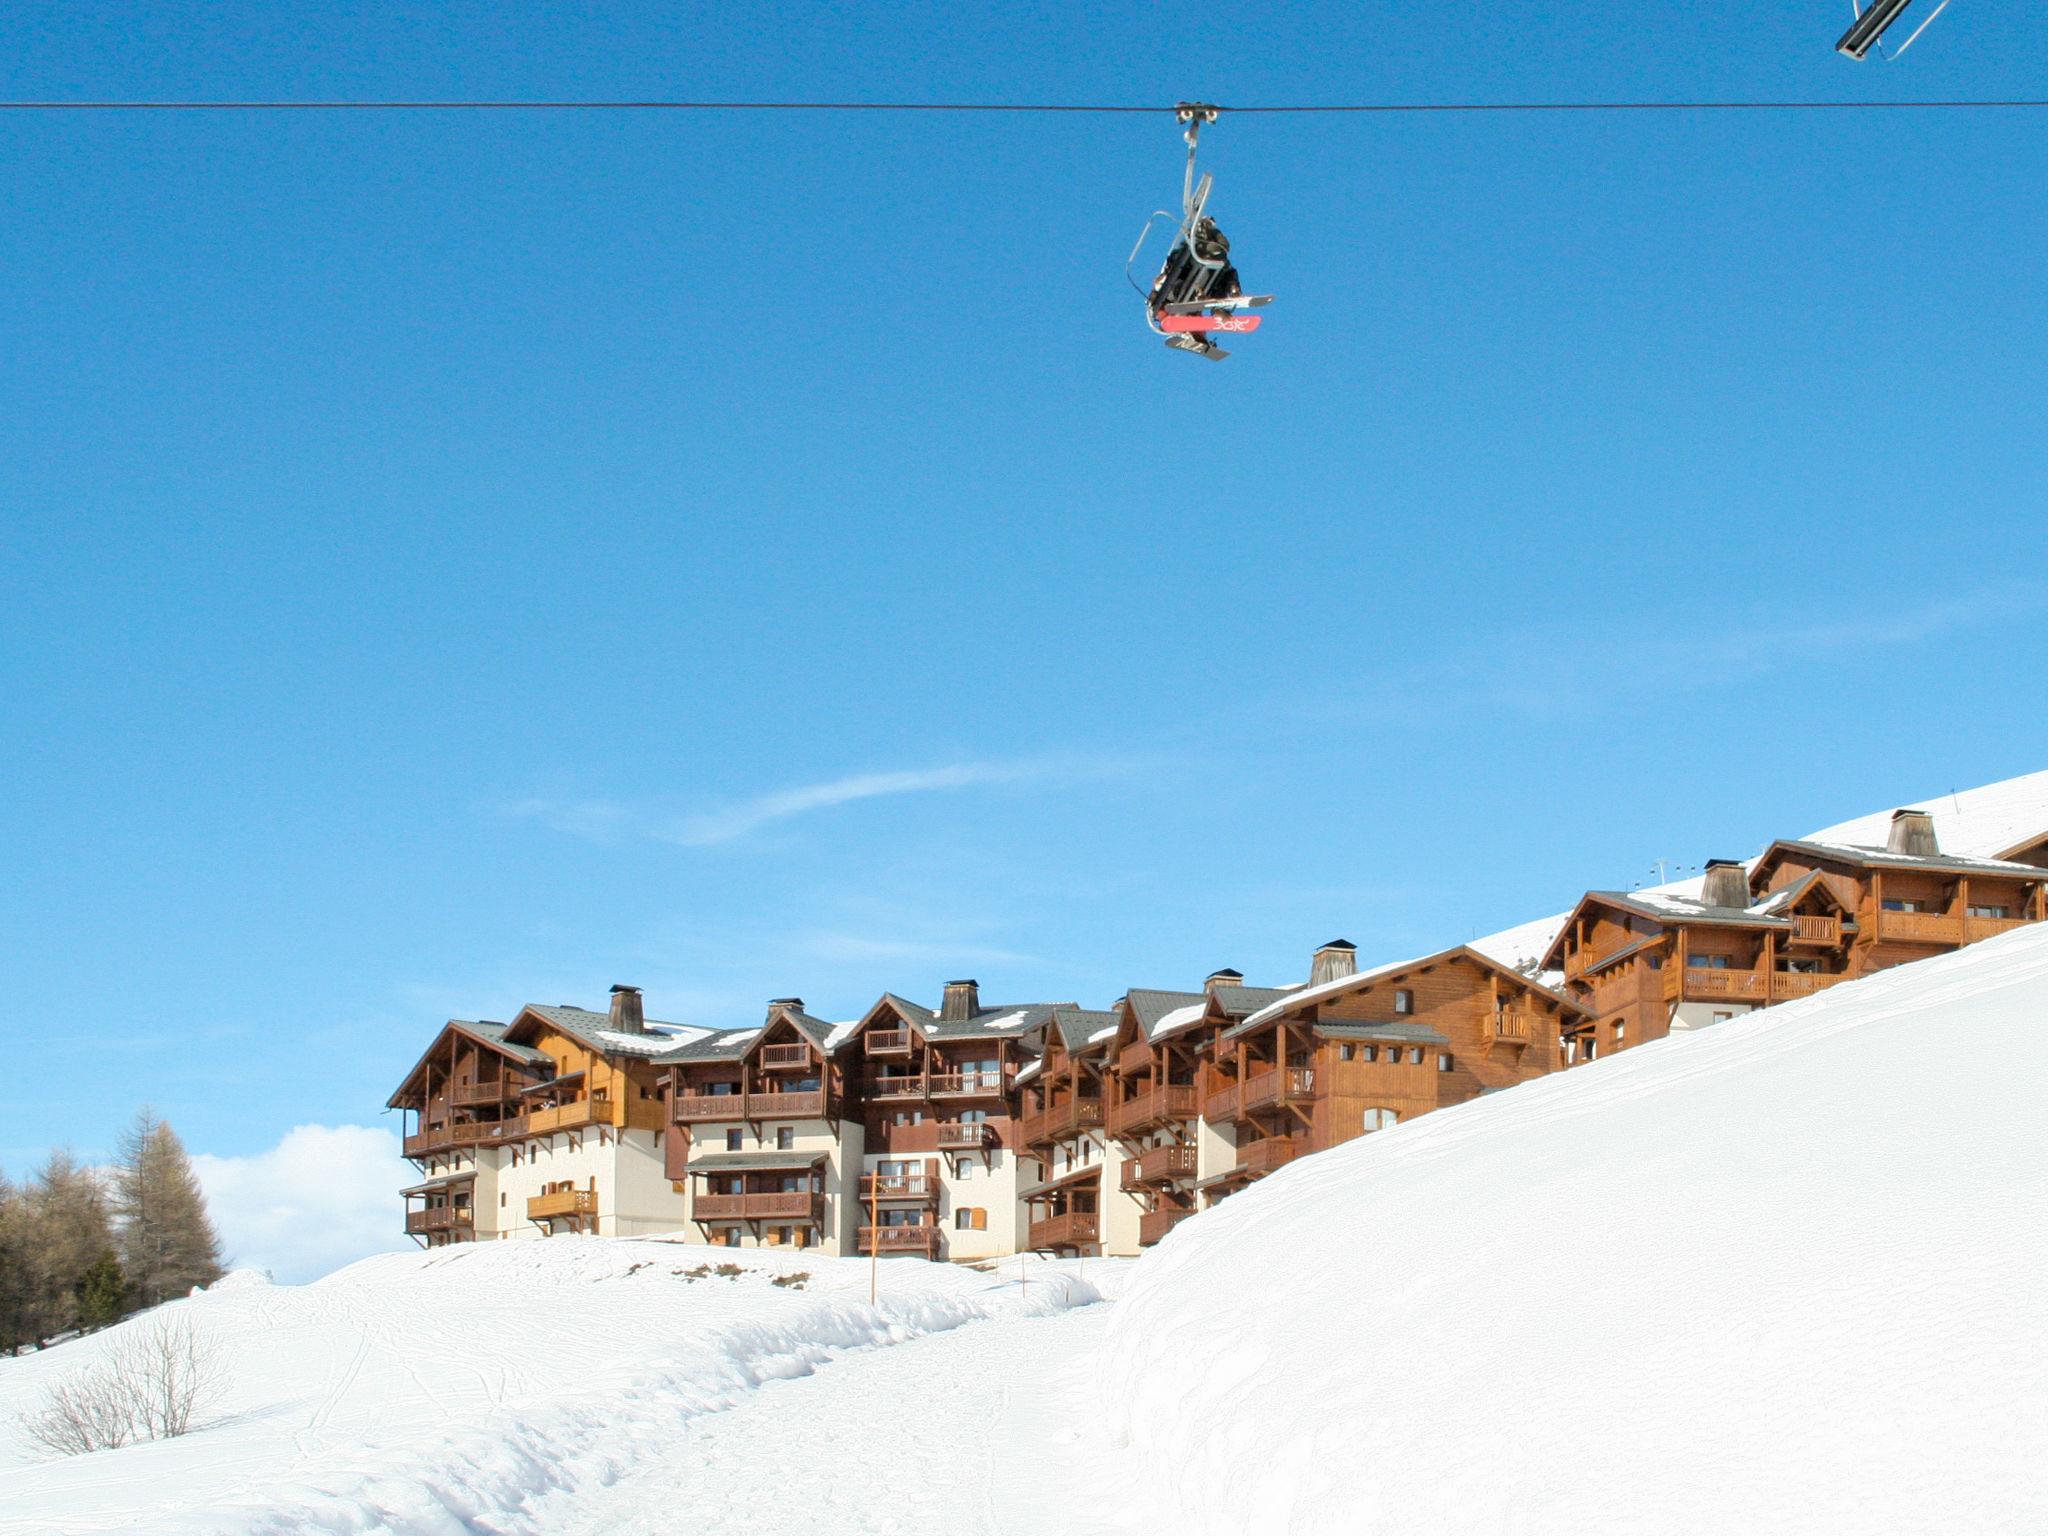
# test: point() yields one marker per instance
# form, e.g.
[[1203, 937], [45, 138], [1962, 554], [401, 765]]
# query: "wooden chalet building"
[[941, 1156], [550, 1123], [1359, 1051], [1803, 918], [1156, 1062], [1079, 1204]]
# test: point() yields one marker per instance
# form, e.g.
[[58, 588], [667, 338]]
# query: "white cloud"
[[738, 820], [324, 1196]]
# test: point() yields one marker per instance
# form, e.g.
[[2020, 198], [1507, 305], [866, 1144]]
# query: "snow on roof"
[[1108, 1031], [651, 1044], [841, 1033], [1179, 1019], [1299, 995], [1005, 1020], [1757, 1190], [1030, 1070], [1929, 861], [1977, 823]]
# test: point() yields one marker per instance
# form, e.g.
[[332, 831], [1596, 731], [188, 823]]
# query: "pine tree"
[[102, 1293], [65, 1232], [168, 1242], [14, 1271]]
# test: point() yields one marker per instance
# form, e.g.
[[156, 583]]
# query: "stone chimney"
[[1727, 884], [1913, 833], [1337, 958], [1223, 978], [627, 1017], [793, 1004], [963, 1000]]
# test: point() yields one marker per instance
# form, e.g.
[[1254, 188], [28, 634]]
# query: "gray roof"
[[1884, 858], [428, 1185], [1151, 1006], [590, 1028], [1072, 1176], [754, 1162], [726, 1045], [1398, 1032], [1078, 1027], [495, 1033], [1242, 1002], [1661, 906], [994, 1021]]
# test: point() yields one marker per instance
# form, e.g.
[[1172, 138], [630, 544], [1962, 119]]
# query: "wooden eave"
[[1553, 957], [1464, 953], [452, 1027]]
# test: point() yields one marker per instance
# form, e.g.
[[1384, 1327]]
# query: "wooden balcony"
[[1277, 1087], [1062, 1121], [1263, 1157], [919, 1239], [889, 1042], [1786, 985], [439, 1218], [1919, 927], [569, 1117], [1823, 931], [496, 1091], [1975, 928], [1511, 1026], [921, 1188], [1161, 1165], [1220, 1107], [1160, 1106], [760, 1205], [1706, 984], [966, 1135], [562, 1203], [1069, 1231], [689, 1108], [1134, 1058], [478, 1133], [785, 1056], [910, 1085], [805, 1104], [972, 1085], [1154, 1225]]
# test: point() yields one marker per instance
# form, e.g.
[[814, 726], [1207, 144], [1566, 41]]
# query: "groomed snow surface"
[[1787, 1274]]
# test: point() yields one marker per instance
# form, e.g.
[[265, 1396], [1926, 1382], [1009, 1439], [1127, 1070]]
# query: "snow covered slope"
[[1979, 823], [1783, 1275], [449, 1391]]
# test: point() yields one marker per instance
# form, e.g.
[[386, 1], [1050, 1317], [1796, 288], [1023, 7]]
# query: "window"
[[1404, 1001], [1719, 1018], [735, 1140], [1443, 1061], [515, 1157], [1620, 1030], [1348, 1053], [1379, 1120], [785, 1138], [970, 1218], [1903, 904], [732, 1237], [783, 1235], [501, 1199], [1414, 1055], [1707, 962], [1977, 910], [1372, 1053]]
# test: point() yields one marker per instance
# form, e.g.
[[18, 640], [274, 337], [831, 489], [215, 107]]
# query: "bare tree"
[[150, 1385], [63, 1232], [168, 1242]]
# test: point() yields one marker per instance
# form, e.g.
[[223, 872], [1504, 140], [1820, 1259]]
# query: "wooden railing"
[[1262, 1157], [1159, 1106], [1063, 1121], [1975, 928], [1919, 927], [919, 1239], [1154, 1225], [1510, 1026], [1790, 984], [806, 1104], [759, 1205], [562, 1202], [966, 1135], [785, 1056], [1710, 984], [438, 1218], [888, 1042], [922, 1187], [1221, 1106], [909, 1085], [1278, 1085], [1070, 1230], [496, 1091], [1134, 1058], [1159, 1166], [1816, 930], [465, 1134], [985, 1084], [567, 1117]]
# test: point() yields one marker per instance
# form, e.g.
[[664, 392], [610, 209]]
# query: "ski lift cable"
[[1386, 107]]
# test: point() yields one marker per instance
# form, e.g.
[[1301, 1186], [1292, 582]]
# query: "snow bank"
[[443, 1392], [1785, 1274]]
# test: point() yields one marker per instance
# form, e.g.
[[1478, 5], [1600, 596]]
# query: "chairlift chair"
[[1197, 293], [1871, 23]]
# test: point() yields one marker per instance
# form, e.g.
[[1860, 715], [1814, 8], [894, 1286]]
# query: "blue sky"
[[456, 561]]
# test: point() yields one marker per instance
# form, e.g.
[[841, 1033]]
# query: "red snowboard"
[[1172, 324]]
